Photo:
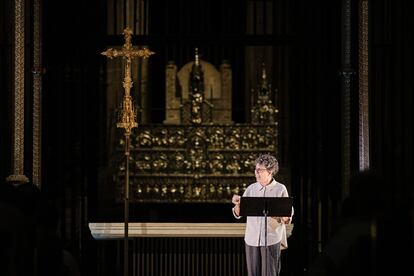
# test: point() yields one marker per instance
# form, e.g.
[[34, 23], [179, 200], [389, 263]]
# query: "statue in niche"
[[196, 82], [196, 88], [198, 93], [264, 110]]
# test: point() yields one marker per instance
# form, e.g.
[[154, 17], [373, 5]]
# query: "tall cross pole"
[[127, 119]]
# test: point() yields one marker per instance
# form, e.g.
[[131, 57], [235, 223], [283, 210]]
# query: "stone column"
[[37, 93], [346, 73], [363, 137], [18, 176]]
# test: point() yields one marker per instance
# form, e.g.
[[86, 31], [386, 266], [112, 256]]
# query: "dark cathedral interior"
[[127, 126]]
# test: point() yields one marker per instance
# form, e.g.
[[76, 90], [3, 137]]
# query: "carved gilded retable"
[[187, 163]]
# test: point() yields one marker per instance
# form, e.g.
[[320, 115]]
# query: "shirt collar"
[[270, 186]]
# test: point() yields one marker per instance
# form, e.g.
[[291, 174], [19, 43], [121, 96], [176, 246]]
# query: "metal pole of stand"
[[265, 217], [126, 204]]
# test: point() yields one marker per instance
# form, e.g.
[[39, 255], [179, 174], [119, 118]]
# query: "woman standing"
[[256, 246]]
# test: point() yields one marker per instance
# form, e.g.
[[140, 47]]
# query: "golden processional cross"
[[127, 118]]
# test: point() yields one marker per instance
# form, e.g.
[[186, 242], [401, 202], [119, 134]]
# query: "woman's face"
[[263, 175]]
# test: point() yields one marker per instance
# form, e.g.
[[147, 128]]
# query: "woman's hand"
[[236, 199], [284, 220]]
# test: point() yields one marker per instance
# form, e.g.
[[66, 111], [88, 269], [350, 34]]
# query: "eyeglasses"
[[260, 170]]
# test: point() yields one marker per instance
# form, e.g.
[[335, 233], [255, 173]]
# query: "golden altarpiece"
[[198, 154]]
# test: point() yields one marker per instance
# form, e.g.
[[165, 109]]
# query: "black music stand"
[[266, 206]]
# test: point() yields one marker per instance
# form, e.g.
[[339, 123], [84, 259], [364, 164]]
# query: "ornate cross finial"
[[127, 119], [127, 50]]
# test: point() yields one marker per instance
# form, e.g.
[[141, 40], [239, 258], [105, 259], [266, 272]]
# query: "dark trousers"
[[256, 256]]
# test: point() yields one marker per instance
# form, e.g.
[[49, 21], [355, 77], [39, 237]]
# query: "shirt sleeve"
[[244, 194], [234, 214]]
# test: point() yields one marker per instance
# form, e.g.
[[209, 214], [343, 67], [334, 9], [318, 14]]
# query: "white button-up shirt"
[[255, 226]]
